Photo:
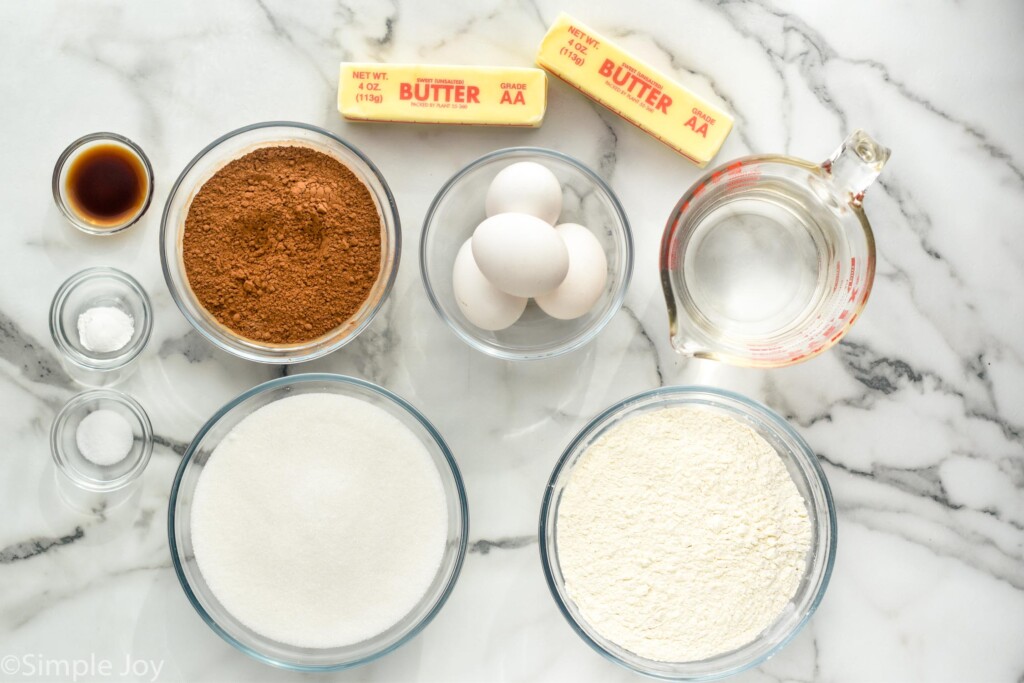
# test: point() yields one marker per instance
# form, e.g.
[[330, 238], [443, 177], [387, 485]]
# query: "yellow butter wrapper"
[[634, 90], [466, 95]]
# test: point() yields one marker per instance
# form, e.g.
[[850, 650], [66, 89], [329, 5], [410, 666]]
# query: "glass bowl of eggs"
[[526, 254]]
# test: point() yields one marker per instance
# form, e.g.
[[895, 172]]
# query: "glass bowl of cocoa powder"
[[280, 242]]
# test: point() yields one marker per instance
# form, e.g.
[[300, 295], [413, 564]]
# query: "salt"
[[104, 437], [319, 521], [105, 329]]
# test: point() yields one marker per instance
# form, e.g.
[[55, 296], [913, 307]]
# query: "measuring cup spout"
[[856, 164], [681, 342]]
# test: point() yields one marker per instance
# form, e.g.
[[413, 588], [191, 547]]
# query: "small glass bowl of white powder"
[[317, 522], [688, 533], [100, 320], [101, 442]]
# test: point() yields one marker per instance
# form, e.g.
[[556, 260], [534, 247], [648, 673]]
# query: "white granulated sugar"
[[105, 329], [319, 521], [681, 535]]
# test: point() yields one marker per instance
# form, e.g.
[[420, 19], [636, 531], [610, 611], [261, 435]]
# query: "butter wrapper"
[[419, 93], [634, 90]]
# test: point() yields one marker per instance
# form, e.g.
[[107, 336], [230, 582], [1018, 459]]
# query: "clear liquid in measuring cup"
[[755, 264], [768, 260]]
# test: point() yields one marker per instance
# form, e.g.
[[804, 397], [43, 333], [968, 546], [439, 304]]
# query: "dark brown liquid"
[[106, 184]]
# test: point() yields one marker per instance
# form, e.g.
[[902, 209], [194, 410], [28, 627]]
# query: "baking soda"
[[319, 521], [105, 329], [681, 535]]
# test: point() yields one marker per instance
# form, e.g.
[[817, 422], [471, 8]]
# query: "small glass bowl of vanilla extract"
[[103, 183]]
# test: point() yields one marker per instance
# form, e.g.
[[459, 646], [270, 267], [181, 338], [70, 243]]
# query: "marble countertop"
[[917, 416]]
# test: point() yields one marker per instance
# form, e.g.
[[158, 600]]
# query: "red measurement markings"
[[737, 177], [673, 258], [853, 274], [673, 249]]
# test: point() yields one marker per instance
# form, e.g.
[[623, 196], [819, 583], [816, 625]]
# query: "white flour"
[[319, 521], [681, 535]]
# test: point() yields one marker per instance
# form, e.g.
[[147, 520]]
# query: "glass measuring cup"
[[768, 260]]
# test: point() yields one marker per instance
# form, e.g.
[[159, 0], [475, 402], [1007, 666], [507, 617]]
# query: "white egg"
[[482, 303], [520, 254], [584, 283], [525, 187]]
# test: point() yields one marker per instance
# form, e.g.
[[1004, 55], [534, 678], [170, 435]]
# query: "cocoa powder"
[[282, 245]]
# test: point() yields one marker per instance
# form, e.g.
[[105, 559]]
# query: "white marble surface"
[[918, 416]]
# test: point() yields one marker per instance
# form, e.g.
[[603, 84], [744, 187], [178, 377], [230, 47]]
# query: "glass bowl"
[[810, 481], [459, 207], [81, 471], [100, 286], [58, 183], [216, 155], [244, 638]]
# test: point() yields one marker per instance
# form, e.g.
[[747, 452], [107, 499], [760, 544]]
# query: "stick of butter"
[[467, 95], [634, 90]]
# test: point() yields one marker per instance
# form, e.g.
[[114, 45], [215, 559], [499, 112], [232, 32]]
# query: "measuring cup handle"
[[856, 164]]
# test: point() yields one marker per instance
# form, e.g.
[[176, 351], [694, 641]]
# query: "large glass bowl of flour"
[[243, 581], [802, 467]]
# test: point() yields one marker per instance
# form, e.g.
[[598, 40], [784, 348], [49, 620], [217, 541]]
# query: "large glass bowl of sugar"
[[231, 628]]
